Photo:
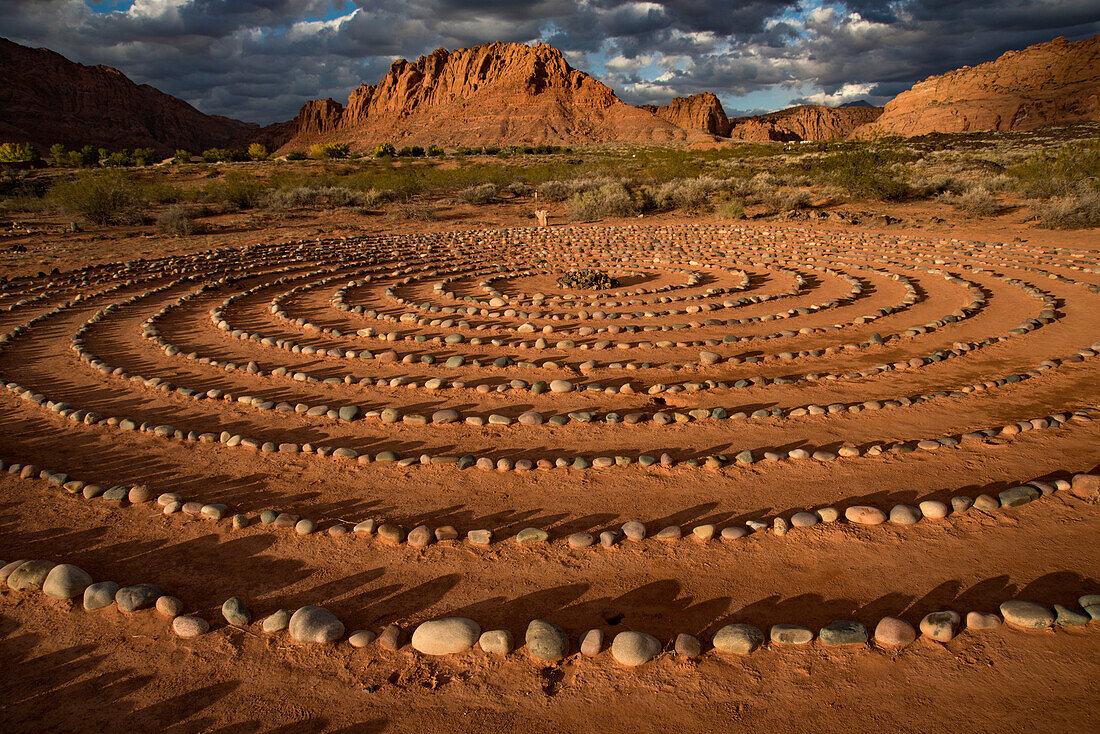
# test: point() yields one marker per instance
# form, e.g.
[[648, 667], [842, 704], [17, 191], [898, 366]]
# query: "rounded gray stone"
[[445, 636], [236, 613], [138, 596], [738, 639], [277, 622], [905, 515], [843, 632], [634, 648], [66, 581], [315, 625], [100, 595], [188, 626], [496, 642], [1026, 614], [30, 575], [790, 634], [546, 641]]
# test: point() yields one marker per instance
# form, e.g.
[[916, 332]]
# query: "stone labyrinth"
[[754, 438]]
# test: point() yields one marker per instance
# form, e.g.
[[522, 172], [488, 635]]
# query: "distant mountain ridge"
[[510, 93]]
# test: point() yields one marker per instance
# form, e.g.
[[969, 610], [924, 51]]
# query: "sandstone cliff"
[[46, 99], [701, 111], [495, 94], [805, 122], [1049, 83]]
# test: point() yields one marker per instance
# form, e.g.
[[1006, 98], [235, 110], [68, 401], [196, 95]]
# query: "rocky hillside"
[[805, 122], [499, 93], [1045, 84], [47, 99], [701, 111]]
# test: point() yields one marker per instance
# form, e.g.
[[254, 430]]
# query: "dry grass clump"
[[976, 200], [787, 201], [479, 195], [412, 210], [609, 200], [107, 197], [332, 196], [1080, 211], [690, 194], [179, 221]]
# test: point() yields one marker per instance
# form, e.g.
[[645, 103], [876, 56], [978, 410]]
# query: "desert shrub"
[[376, 197], [412, 210], [519, 188], [555, 190], [691, 194], [145, 156], [866, 172], [1067, 172], [938, 185], [295, 155], [89, 156], [217, 155], [18, 153], [118, 158], [482, 194], [411, 151], [1078, 211], [730, 210], [333, 196], [257, 152], [434, 151], [609, 200], [384, 150], [178, 221], [787, 201], [328, 151], [59, 156], [239, 156], [976, 200], [181, 156], [238, 190], [106, 197]]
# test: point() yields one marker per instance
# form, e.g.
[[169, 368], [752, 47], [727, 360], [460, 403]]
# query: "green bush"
[[295, 155], [89, 156], [866, 173], [181, 156], [106, 197], [329, 151], [411, 151], [239, 190], [609, 200], [482, 194], [59, 156], [1080, 211], [434, 151], [216, 155], [257, 152], [239, 156], [384, 150], [118, 158], [145, 156], [1071, 170], [18, 153]]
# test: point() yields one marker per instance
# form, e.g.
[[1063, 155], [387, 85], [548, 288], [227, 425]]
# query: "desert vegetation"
[[1053, 179]]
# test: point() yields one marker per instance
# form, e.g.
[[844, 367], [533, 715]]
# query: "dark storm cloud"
[[260, 59]]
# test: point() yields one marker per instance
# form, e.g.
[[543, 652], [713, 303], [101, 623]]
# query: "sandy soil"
[[72, 670]]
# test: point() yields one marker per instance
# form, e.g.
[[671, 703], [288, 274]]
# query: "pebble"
[[1026, 614], [561, 386], [592, 643], [268, 516], [236, 613], [985, 502], [496, 642], [734, 533], [366, 526], [277, 622], [445, 636], [361, 638], [65, 581], [315, 625], [672, 532], [790, 634], [480, 537], [634, 530], [581, 540], [982, 621], [779, 526], [739, 639], [390, 533], [904, 515], [843, 632], [687, 646], [609, 538], [1091, 604], [804, 519], [940, 626], [138, 596], [390, 638], [420, 537], [187, 627], [305, 526], [532, 535], [828, 514], [546, 641], [240, 522], [864, 515], [446, 532], [933, 509], [169, 606], [139, 494], [894, 632], [30, 575], [100, 595], [961, 503], [1066, 617], [1016, 496], [634, 648]]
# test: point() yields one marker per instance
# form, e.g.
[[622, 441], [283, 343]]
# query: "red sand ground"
[[71, 670]]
